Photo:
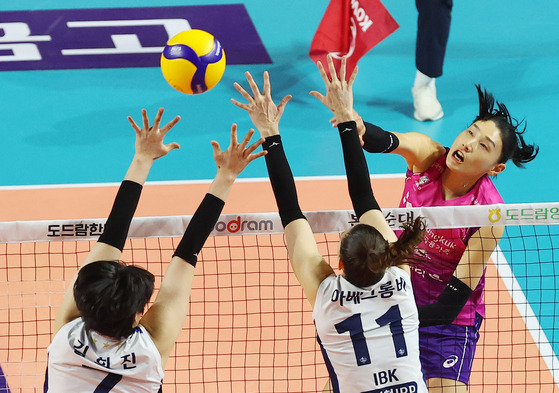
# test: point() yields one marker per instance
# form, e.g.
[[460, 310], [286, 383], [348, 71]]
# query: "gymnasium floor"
[[66, 142], [67, 127]]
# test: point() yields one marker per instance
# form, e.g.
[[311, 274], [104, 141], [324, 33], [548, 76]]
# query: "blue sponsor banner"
[[119, 37]]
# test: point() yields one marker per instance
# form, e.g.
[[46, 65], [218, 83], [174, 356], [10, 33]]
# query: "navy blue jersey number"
[[108, 383], [354, 326], [393, 318]]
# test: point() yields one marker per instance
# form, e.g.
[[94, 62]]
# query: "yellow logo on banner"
[[494, 215]]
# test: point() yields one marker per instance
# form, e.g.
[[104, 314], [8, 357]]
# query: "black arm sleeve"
[[358, 179], [448, 306], [376, 140], [199, 228], [282, 180], [118, 222]]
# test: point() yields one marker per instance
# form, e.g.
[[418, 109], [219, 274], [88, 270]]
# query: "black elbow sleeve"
[[376, 140], [448, 306], [281, 179], [357, 170], [199, 228], [118, 222]]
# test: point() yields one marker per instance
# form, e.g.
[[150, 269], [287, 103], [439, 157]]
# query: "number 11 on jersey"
[[354, 326]]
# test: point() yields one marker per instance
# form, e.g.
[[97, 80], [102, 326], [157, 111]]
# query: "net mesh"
[[249, 326]]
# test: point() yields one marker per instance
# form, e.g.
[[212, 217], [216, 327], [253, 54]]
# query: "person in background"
[[433, 28]]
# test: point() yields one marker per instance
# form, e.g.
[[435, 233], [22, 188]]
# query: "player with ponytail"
[[366, 318], [450, 279]]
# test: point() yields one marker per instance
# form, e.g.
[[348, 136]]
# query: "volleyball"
[[193, 61]]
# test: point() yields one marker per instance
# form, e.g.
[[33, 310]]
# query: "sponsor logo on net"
[[239, 225], [494, 215]]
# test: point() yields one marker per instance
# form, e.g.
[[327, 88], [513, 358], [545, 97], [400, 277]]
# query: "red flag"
[[350, 28]]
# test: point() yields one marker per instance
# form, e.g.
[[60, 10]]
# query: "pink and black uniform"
[[441, 251]]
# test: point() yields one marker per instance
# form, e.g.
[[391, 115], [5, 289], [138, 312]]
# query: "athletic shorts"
[[448, 351]]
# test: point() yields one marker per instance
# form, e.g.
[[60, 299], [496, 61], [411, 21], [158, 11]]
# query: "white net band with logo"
[[250, 328]]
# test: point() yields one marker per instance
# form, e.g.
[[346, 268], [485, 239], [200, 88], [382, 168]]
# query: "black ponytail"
[[515, 147]]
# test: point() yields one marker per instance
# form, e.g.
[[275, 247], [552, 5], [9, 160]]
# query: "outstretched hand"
[[339, 92], [263, 112], [237, 156], [149, 139]]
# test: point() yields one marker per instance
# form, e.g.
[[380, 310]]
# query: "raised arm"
[[309, 266], [339, 99], [149, 147], [419, 150], [165, 318]]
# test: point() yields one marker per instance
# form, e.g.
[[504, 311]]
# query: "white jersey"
[[369, 336], [86, 362]]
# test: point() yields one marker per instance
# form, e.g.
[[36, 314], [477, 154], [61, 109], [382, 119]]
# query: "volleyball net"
[[250, 328]]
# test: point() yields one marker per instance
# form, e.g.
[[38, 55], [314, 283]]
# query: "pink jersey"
[[443, 248]]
